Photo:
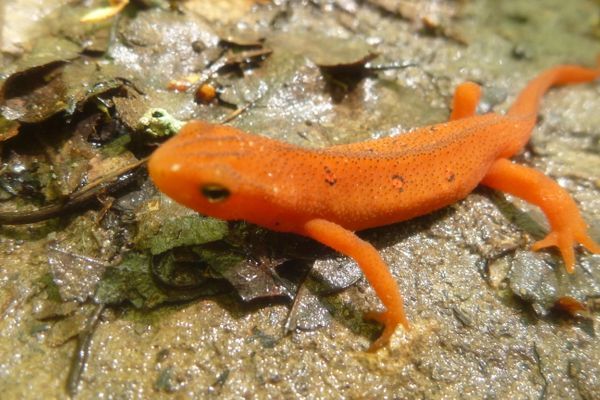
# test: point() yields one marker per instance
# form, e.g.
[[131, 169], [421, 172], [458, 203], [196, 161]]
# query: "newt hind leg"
[[466, 98], [567, 226], [374, 269]]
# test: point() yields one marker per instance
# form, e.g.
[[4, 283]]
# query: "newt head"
[[208, 168]]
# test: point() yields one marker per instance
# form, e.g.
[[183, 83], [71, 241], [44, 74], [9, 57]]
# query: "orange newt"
[[327, 194]]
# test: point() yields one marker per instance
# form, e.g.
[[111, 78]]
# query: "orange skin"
[[327, 194]]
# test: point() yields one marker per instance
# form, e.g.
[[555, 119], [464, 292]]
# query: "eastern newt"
[[327, 194]]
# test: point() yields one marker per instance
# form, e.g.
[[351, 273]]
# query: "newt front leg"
[[374, 268], [567, 226]]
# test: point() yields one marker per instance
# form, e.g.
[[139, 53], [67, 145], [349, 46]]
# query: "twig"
[[111, 181]]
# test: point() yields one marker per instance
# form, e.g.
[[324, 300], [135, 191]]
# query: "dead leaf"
[[252, 279], [8, 129], [104, 13], [570, 305], [307, 312], [76, 275], [222, 10], [543, 284], [38, 93]]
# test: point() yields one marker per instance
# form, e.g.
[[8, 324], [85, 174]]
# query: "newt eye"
[[214, 193]]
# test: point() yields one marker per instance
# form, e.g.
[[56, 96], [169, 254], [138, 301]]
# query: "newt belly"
[[327, 194]]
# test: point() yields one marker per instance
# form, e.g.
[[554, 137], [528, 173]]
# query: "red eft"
[[327, 194]]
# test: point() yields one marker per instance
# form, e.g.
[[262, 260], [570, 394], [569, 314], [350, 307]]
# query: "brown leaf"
[[8, 129], [38, 93], [570, 305]]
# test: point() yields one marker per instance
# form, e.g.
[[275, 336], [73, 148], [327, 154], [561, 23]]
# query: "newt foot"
[[390, 322], [565, 240]]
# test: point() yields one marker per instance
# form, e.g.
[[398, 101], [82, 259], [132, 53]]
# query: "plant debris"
[[104, 13], [38, 93], [133, 281], [8, 129], [252, 279], [158, 236], [547, 285], [113, 181]]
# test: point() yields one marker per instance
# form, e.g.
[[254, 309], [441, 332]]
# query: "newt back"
[[358, 186]]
